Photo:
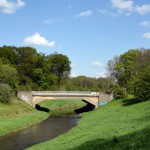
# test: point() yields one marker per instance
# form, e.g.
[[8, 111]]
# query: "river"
[[48, 129]]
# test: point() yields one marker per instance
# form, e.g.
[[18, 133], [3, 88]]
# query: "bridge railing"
[[65, 93]]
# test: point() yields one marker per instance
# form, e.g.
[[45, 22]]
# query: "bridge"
[[35, 97]]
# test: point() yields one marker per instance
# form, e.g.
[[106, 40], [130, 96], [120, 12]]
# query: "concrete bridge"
[[35, 97]]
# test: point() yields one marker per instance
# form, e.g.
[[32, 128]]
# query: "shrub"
[[119, 92], [5, 93]]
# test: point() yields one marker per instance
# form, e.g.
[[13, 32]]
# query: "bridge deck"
[[64, 93]]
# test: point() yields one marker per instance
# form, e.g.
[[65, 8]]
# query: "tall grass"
[[120, 124]]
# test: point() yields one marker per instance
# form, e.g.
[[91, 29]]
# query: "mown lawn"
[[18, 115], [120, 124]]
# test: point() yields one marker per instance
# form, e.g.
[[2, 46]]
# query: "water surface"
[[48, 129]]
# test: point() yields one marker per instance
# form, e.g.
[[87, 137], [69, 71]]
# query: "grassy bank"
[[18, 115], [62, 107], [117, 125]]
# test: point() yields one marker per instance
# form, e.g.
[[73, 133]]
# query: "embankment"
[[120, 124]]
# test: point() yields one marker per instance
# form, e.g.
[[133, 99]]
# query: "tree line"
[[23, 68]]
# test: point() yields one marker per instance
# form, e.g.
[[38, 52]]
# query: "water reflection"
[[44, 131]]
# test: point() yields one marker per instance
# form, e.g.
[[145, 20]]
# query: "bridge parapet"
[[80, 93]]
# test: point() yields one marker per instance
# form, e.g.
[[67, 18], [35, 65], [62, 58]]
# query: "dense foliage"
[[131, 72], [23, 68], [141, 85], [9, 75], [35, 71]]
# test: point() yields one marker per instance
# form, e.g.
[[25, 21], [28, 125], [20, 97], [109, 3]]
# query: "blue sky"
[[89, 32]]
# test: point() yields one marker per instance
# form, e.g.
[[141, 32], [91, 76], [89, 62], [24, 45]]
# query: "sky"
[[89, 32]]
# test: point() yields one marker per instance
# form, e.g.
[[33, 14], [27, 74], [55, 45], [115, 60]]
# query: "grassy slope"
[[117, 125], [18, 115], [62, 107]]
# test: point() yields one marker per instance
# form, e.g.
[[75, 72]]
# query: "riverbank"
[[18, 115], [120, 124]]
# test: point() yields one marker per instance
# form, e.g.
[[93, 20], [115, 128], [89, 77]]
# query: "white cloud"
[[85, 13], [100, 74], [144, 9], [37, 39], [147, 35], [10, 7], [129, 7], [145, 23], [125, 5], [97, 63]]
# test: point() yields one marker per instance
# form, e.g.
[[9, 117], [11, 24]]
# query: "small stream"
[[48, 129]]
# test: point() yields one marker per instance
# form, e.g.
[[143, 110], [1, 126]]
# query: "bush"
[[119, 92], [5, 93]]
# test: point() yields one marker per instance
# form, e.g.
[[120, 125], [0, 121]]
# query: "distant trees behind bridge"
[[23, 68]]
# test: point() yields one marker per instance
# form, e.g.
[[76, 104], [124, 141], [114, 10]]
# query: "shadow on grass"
[[135, 141], [130, 101], [38, 107], [86, 108]]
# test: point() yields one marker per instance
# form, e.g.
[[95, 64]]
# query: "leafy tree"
[[9, 75], [130, 71], [27, 60], [6, 93], [143, 60], [124, 67], [8, 55], [141, 85], [59, 63]]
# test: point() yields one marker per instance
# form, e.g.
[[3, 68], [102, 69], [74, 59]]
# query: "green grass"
[[118, 125], [62, 107], [18, 115]]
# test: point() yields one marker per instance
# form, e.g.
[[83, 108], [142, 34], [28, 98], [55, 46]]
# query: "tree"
[[111, 67], [59, 63], [8, 55], [9, 75], [125, 68], [141, 85]]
